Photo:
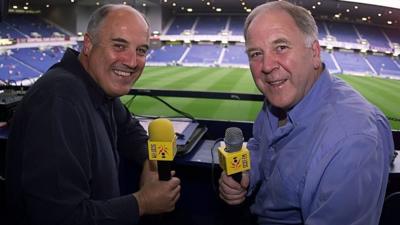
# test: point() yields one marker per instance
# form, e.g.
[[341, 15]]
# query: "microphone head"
[[161, 129], [233, 139]]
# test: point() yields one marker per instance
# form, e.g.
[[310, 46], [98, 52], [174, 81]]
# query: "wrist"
[[141, 203]]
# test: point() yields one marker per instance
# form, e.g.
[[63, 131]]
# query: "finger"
[[224, 187], [232, 201], [174, 182], [229, 194], [229, 181], [245, 180], [177, 196]]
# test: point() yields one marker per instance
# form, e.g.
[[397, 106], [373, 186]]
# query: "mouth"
[[277, 83], [122, 73]]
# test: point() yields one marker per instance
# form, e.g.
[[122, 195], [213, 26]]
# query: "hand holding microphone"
[[159, 191], [234, 158], [162, 146], [156, 196]]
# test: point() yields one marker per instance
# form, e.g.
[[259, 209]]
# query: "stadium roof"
[[344, 10]]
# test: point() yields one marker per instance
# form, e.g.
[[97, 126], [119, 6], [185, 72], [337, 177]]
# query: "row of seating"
[[336, 61], [28, 63], [27, 26], [25, 63], [233, 25]]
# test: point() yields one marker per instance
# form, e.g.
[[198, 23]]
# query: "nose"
[[270, 63], [130, 58]]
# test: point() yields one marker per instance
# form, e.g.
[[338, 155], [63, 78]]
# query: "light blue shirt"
[[328, 165]]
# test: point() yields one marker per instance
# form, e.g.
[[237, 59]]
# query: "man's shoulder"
[[60, 82]]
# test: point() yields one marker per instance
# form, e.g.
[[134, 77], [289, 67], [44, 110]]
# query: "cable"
[[184, 114], [212, 165]]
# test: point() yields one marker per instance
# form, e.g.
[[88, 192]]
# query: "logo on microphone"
[[163, 151], [235, 164], [153, 151]]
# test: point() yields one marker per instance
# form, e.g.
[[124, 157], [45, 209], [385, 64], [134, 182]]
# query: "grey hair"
[[98, 17], [303, 19]]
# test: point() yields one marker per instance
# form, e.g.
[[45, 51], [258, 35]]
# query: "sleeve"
[[57, 171], [350, 183], [132, 137]]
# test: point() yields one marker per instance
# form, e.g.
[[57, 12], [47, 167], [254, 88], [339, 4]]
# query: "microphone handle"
[[164, 170], [237, 177]]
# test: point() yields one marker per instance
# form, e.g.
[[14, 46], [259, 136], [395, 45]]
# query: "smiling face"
[[116, 56], [283, 67]]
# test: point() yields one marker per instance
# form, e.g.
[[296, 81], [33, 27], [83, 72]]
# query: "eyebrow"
[[275, 42], [252, 49], [281, 41], [121, 40]]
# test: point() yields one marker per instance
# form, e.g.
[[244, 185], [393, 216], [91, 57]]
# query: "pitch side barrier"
[[220, 95]]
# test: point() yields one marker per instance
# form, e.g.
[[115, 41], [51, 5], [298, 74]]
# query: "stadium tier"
[[373, 35], [236, 24], [35, 61], [351, 63], [31, 62], [13, 70], [27, 25]]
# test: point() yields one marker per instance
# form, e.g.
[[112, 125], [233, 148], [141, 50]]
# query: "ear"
[[316, 54], [87, 44]]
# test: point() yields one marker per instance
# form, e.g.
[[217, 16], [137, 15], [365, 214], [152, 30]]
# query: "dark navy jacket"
[[62, 159]]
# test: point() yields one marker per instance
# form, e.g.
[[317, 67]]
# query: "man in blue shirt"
[[320, 152]]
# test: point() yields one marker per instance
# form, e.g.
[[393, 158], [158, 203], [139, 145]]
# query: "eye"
[[254, 54], [119, 47], [281, 48], [141, 51]]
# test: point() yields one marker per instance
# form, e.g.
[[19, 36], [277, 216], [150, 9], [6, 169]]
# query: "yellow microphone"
[[162, 146], [234, 158]]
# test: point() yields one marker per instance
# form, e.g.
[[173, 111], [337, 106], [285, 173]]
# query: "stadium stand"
[[210, 53], [322, 32], [179, 24], [32, 26], [210, 25], [374, 36], [13, 70], [169, 54], [392, 34], [8, 31], [352, 63], [235, 55], [384, 65], [236, 25], [343, 32], [39, 59], [203, 54], [330, 62]]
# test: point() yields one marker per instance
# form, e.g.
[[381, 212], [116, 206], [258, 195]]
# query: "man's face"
[[283, 67], [117, 56]]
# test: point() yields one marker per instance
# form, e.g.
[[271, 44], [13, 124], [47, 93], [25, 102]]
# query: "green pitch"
[[381, 92]]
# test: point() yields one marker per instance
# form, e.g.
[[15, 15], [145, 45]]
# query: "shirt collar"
[[312, 99], [71, 63], [306, 105]]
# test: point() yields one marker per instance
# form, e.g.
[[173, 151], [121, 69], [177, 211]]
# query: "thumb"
[[245, 180]]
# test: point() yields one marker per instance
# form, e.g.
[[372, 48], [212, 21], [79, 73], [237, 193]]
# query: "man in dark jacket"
[[70, 129]]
